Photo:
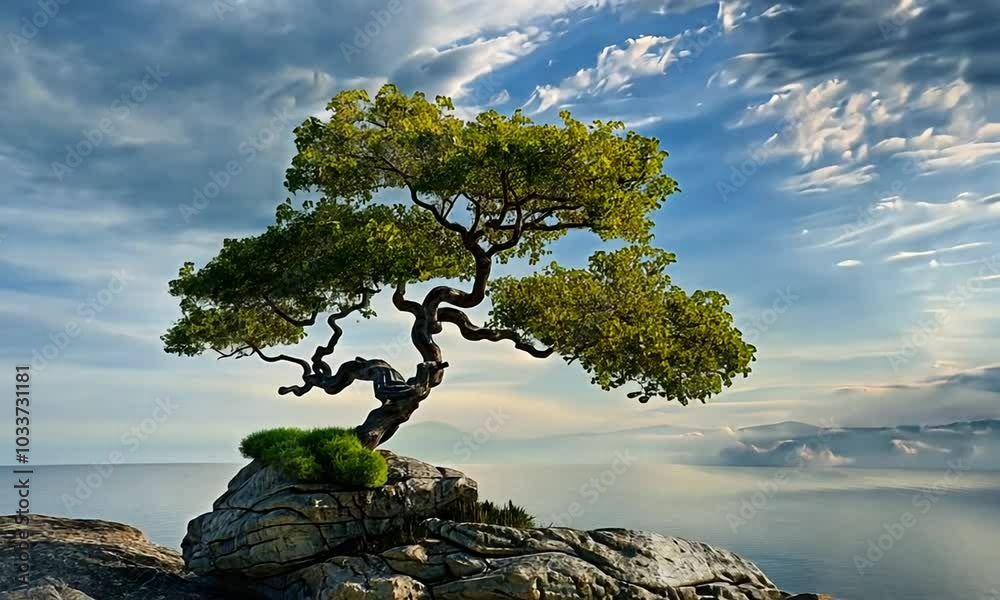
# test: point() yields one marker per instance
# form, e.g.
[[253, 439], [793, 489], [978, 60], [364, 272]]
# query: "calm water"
[[807, 530]]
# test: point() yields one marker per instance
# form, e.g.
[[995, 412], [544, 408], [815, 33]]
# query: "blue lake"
[[856, 534]]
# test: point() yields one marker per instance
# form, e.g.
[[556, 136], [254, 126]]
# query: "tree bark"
[[384, 421], [398, 400]]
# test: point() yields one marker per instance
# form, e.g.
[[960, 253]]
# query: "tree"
[[473, 194]]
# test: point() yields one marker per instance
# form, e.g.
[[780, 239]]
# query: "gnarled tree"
[[473, 193]]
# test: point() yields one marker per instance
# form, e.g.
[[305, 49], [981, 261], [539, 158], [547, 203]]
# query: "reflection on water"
[[839, 531]]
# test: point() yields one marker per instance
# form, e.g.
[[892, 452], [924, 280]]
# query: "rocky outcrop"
[[292, 540], [266, 524], [270, 537], [485, 562], [77, 559]]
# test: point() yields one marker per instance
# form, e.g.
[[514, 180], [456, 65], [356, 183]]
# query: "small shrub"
[[412, 531], [324, 454], [262, 443], [470, 511]]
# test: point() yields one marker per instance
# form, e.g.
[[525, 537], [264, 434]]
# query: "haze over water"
[[807, 529]]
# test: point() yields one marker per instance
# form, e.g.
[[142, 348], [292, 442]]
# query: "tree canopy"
[[407, 193]]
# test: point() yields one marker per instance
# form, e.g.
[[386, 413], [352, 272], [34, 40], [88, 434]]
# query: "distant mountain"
[[967, 445], [785, 429], [972, 445]]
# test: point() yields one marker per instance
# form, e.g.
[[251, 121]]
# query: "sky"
[[837, 162]]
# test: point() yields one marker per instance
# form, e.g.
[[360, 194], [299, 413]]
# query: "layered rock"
[[292, 540], [465, 561], [77, 559], [266, 524]]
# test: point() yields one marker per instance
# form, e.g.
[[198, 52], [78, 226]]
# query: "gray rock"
[[77, 559], [648, 560], [353, 578], [467, 561], [51, 590], [266, 524]]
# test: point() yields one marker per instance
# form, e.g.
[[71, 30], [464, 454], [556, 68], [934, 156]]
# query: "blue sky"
[[837, 160]]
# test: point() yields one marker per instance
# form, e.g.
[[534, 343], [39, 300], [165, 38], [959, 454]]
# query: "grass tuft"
[[325, 454], [468, 510]]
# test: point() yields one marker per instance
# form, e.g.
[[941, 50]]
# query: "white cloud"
[[850, 263], [904, 255], [914, 447], [732, 12], [896, 219], [833, 126], [455, 67], [616, 70], [890, 145], [833, 176]]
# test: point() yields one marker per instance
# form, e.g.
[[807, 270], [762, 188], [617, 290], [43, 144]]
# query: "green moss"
[[325, 454]]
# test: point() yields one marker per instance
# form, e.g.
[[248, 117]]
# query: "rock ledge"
[[266, 524], [77, 559], [469, 561]]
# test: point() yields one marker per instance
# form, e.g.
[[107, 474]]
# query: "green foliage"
[[495, 183], [624, 321], [324, 454], [315, 259], [595, 176]]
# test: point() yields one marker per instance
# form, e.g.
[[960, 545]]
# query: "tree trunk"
[[399, 399], [382, 422]]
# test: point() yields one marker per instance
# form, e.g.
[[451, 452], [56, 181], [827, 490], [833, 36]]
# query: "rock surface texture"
[[463, 561], [287, 540], [266, 524], [77, 559], [52, 589]]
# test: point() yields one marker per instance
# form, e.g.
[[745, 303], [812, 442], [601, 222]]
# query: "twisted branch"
[[311, 319], [320, 367], [475, 333]]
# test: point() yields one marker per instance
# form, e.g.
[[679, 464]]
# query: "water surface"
[[809, 530]]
